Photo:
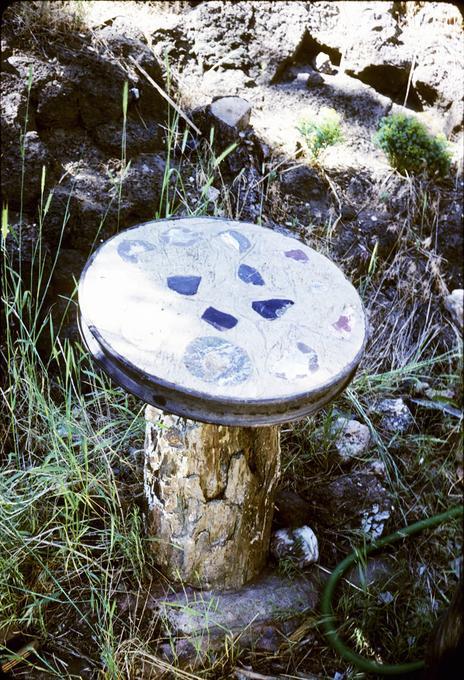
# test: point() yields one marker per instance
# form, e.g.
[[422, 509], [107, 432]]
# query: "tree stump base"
[[210, 491]]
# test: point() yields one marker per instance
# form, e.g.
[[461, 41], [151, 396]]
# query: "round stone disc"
[[221, 321]]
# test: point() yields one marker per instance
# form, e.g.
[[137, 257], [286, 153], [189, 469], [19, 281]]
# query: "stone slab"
[[269, 599]]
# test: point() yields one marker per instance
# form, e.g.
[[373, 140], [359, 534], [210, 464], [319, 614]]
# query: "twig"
[[252, 675], [166, 96]]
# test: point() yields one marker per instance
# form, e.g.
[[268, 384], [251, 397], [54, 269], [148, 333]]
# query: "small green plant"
[[321, 132], [411, 148]]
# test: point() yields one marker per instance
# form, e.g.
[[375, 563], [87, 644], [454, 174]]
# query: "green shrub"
[[321, 132], [410, 147]]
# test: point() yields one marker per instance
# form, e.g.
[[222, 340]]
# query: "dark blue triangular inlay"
[[186, 285], [271, 309], [250, 275], [220, 320]]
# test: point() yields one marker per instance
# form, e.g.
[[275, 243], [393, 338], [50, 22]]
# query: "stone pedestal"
[[210, 492]]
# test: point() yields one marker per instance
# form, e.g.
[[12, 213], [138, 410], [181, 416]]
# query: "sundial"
[[233, 328], [221, 321]]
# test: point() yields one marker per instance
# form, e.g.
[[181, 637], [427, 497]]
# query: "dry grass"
[[76, 573]]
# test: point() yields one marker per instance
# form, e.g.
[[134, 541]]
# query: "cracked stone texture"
[[210, 492]]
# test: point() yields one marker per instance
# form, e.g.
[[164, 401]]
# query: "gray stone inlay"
[[236, 240], [217, 361], [132, 249], [281, 323]]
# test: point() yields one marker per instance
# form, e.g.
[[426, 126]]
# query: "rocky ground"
[[253, 71]]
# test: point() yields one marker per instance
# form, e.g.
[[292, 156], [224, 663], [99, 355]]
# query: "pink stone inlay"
[[343, 324]]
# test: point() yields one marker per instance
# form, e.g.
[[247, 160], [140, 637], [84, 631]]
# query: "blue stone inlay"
[[313, 362], [250, 275], [297, 255], [303, 348], [220, 320], [236, 240], [185, 285], [218, 361], [131, 250], [271, 309]]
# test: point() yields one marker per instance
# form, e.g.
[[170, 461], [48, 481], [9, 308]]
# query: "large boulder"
[[236, 36], [438, 73], [373, 51]]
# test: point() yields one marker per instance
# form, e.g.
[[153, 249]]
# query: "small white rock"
[[352, 438], [300, 543], [212, 194], [396, 416], [386, 597], [323, 64], [454, 303], [373, 521]]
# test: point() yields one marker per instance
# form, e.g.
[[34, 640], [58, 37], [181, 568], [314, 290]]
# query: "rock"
[[328, 24], [212, 194], [231, 113], [68, 267], [58, 105], [368, 231], [223, 83], [213, 614], [42, 72], [373, 520], [291, 510], [302, 75], [300, 544], [454, 304], [378, 468], [121, 46], [323, 64], [22, 246], [140, 138], [236, 36], [381, 53], [303, 182], [121, 37], [450, 237], [36, 157], [313, 79], [436, 29], [352, 438], [142, 184], [89, 196], [353, 501], [373, 52], [99, 84], [386, 69], [395, 415]]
